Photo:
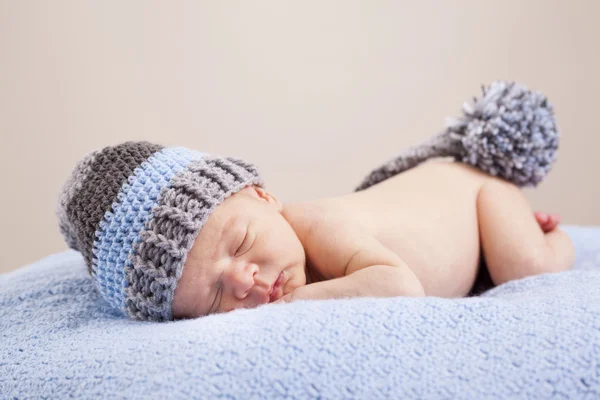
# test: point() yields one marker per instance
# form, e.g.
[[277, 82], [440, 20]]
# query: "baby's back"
[[428, 216]]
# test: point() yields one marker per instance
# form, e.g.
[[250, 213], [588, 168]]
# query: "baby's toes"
[[553, 221], [546, 221], [541, 218]]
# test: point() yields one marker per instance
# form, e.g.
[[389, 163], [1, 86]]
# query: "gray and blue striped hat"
[[134, 210]]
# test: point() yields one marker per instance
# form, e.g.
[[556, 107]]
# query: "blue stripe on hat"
[[121, 227]]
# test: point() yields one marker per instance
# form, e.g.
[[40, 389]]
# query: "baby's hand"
[[284, 299], [329, 289], [548, 222], [308, 292]]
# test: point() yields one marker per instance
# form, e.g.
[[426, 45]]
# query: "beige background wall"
[[316, 93]]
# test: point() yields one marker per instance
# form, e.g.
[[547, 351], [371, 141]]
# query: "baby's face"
[[244, 248]]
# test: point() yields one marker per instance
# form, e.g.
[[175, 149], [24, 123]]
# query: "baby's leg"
[[514, 246]]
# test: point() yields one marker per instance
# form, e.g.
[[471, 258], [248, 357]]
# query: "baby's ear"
[[268, 197]]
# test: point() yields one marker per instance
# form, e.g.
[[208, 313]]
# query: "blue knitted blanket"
[[537, 337]]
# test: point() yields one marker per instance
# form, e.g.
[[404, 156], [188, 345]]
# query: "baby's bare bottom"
[[514, 246]]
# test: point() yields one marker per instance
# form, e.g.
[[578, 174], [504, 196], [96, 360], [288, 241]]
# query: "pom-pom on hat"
[[511, 133], [134, 210]]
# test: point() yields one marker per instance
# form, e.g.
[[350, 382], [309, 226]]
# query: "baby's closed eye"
[[246, 244]]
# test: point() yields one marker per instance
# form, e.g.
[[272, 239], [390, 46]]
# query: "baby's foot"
[[548, 222]]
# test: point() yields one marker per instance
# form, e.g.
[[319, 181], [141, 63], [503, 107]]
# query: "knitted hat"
[[134, 210], [510, 133]]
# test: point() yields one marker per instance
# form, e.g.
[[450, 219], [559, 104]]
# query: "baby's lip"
[[274, 292]]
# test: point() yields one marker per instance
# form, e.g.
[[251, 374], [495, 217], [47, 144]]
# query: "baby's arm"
[[373, 281], [354, 264]]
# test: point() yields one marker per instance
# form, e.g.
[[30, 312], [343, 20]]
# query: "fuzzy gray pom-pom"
[[511, 133]]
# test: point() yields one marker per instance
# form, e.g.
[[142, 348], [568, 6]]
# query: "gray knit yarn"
[[141, 282], [94, 185], [184, 207], [72, 185], [511, 133]]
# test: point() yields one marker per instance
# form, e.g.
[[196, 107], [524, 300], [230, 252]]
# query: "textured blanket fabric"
[[538, 337]]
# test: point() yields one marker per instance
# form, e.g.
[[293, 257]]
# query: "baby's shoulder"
[[331, 238], [304, 216]]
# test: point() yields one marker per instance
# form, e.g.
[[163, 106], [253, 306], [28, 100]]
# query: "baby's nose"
[[242, 280]]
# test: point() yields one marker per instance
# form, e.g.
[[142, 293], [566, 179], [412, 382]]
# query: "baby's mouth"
[[277, 288]]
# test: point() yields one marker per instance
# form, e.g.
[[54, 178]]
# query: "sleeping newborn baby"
[[424, 232], [170, 233]]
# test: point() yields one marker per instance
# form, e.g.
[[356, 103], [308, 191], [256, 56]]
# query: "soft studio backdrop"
[[316, 93]]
